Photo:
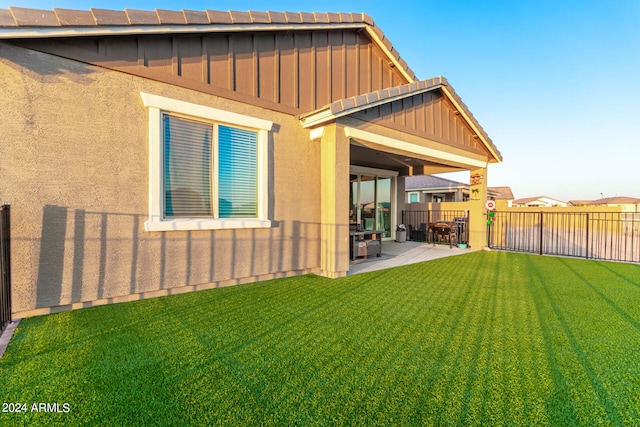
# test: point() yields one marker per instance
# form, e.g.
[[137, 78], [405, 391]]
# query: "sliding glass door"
[[371, 195]]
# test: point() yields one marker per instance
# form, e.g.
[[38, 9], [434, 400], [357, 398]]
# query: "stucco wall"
[[74, 167]]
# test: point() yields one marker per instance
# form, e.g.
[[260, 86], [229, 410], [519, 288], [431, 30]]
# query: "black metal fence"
[[593, 235], [418, 224], [5, 266]]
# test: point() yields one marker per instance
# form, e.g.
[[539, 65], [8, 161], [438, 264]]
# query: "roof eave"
[[124, 30], [326, 114], [497, 157], [394, 57]]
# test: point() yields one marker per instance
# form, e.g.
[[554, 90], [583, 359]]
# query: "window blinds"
[[237, 173], [187, 168]]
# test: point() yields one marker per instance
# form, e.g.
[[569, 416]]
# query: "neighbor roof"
[[430, 181], [502, 193], [526, 200], [618, 200], [18, 22]]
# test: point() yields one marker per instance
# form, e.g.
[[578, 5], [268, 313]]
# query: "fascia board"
[[325, 115], [387, 52], [47, 32], [463, 112]]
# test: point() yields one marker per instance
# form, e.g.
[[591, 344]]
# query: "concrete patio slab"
[[395, 254], [6, 335]]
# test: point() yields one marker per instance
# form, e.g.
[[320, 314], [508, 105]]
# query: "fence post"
[[5, 264], [586, 255], [541, 231]]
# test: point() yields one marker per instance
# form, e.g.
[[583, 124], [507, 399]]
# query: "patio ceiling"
[[403, 164]]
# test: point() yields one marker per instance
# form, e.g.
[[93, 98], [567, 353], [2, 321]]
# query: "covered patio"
[[396, 254], [370, 143]]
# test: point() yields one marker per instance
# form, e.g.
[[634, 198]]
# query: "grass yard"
[[487, 338]]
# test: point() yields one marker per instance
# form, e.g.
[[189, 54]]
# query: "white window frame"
[[158, 105], [413, 193]]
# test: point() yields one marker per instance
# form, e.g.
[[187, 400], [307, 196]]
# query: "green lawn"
[[487, 338]]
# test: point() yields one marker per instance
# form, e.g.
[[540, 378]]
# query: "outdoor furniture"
[[443, 231], [365, 243], [418, 234]]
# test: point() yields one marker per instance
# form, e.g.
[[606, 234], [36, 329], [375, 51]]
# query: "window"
[[208, 167], [414, 197]]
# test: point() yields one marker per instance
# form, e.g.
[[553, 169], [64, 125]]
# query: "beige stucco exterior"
[[76, 157], [75, 169]]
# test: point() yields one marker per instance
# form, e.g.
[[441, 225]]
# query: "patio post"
[[477, 214], [334, 204]]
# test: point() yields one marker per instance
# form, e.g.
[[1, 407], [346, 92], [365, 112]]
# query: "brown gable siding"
[[429, 115], [290, 71]]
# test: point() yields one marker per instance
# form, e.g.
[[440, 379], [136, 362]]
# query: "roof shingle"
[[75, 18], [34, 17]]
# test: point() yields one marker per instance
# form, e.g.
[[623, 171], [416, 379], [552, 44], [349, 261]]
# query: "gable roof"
[[526, 200], [18, 22], [502, 193], [358, 103], [430, 181], [618, 200]]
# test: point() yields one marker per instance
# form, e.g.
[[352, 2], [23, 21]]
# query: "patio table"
[[443, 230]]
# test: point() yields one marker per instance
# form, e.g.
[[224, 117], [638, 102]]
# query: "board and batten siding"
[[428, 115], [294, 72]]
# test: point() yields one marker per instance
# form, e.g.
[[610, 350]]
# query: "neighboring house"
[[502, 193], [149, 153], [628, 204], [435, 189], [540, 201], [579, 202]]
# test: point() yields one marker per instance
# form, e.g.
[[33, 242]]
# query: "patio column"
[[477, 199], [334, 195]]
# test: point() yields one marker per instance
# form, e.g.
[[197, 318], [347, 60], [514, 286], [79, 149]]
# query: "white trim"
[[205, 224], [203, 112], [412, 149], [157, 105], [413, 193], [316, 133], [47, 32]]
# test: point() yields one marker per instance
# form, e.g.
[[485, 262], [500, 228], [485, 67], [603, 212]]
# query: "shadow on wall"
[[41, 66], [87, 256]]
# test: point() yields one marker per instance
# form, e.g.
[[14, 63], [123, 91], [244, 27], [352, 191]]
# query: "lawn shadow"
[[626, 279], [626, 316], [560, 384]]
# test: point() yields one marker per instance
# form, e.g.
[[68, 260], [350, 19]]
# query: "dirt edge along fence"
[[611, 236], [5, 265]]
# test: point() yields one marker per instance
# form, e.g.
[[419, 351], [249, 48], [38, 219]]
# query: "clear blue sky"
[[556, 84]]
